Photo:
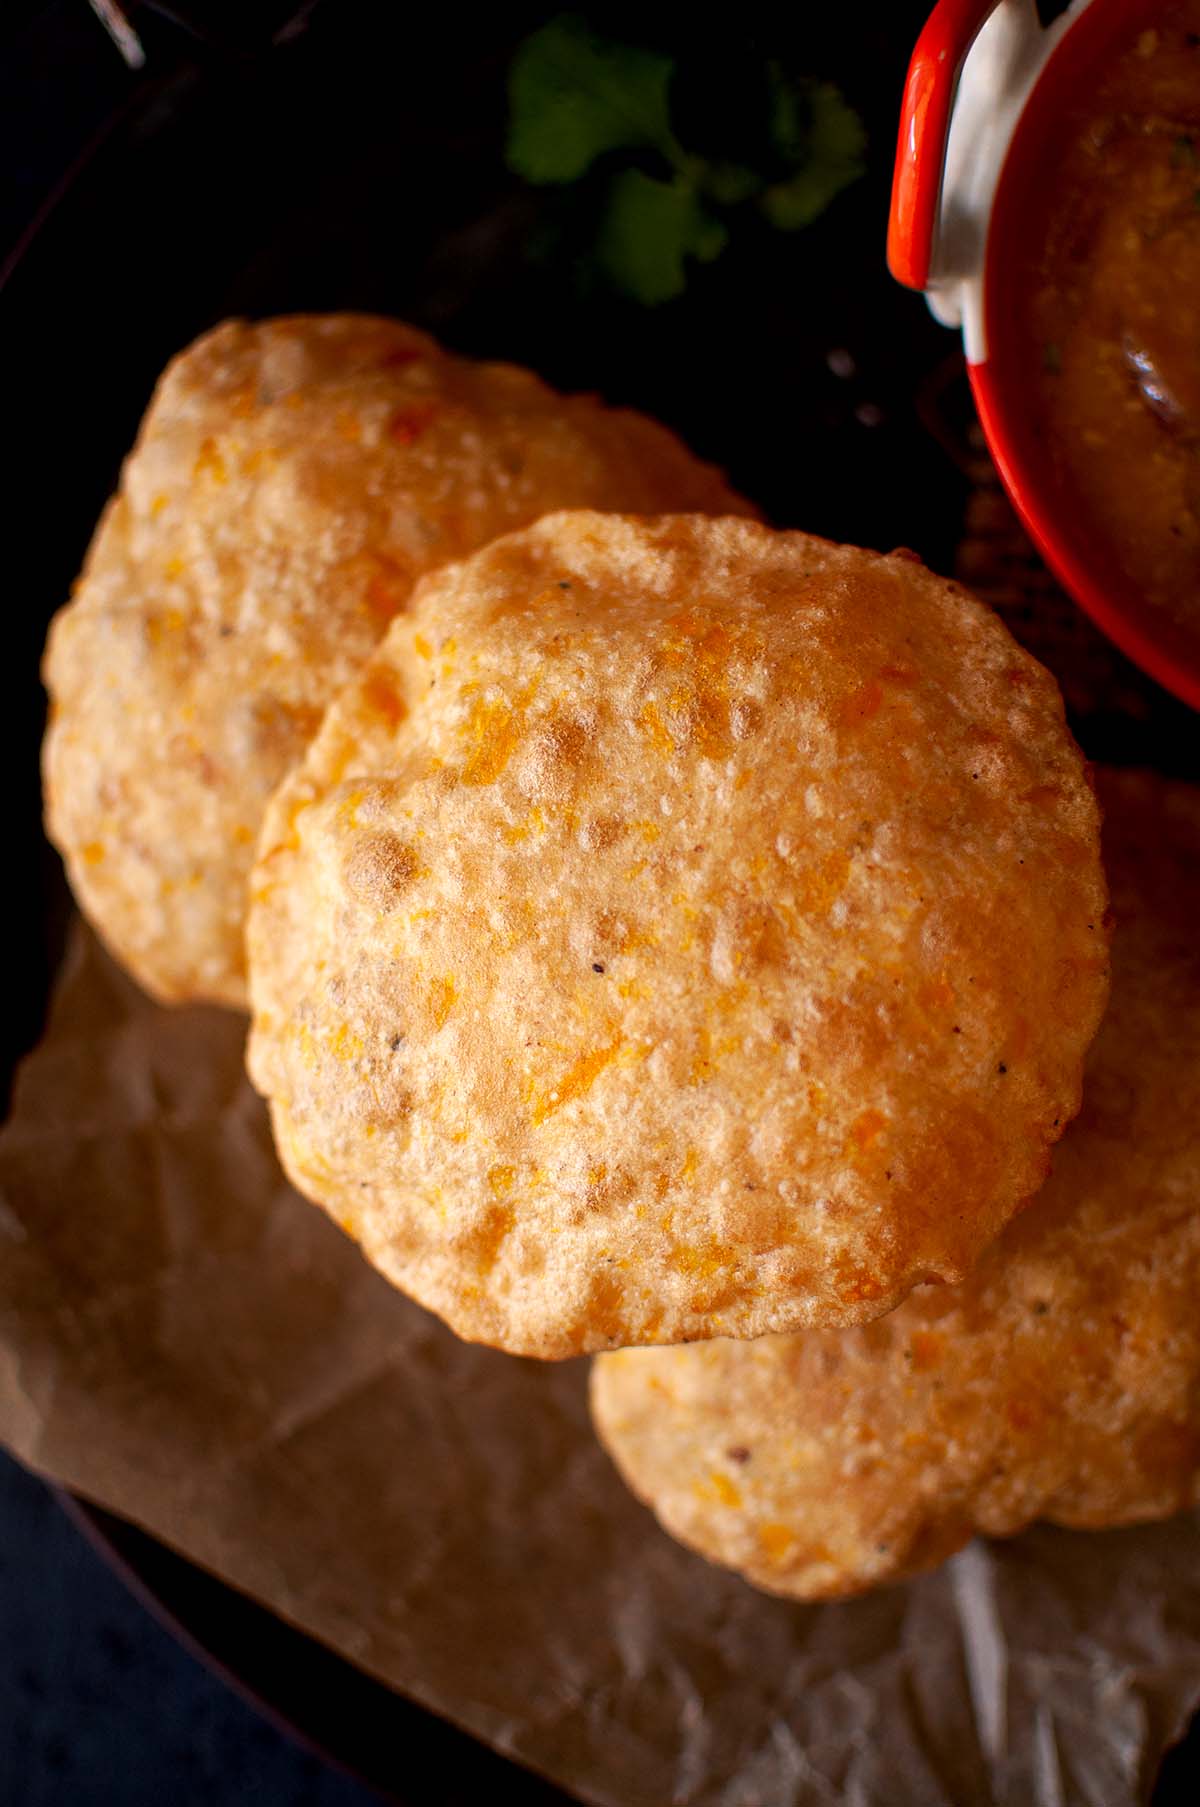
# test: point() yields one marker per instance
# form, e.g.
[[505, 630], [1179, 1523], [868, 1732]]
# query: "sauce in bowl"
[[1111, 299]]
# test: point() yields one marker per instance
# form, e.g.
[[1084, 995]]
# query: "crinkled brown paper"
[[187, 1342]]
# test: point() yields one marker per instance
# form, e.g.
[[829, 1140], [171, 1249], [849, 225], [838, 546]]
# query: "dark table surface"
[[103, 1707]]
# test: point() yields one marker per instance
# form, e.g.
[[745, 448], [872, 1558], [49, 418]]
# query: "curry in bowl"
[[1107, 295]]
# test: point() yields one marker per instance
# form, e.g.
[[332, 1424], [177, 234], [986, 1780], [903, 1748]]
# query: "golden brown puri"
[[679, 929], [1060, 1381], [291, 481]]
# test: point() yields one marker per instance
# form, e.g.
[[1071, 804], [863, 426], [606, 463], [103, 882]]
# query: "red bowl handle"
[[949, 33]]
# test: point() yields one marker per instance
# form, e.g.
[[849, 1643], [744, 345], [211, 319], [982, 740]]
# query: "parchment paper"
[[187, 1342]]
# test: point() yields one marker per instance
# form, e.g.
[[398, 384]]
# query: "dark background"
[[101, 1705], [271, 158]]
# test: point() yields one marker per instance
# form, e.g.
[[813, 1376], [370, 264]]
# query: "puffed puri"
[[680, 929], [1060, 1382], [292, 480]]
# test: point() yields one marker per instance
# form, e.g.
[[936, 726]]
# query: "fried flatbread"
[[1061, 1381], [679, 929], [291, 481]]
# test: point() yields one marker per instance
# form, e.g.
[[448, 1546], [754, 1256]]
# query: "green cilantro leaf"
[[730, 183], [815, 129], [574, 96], [648, 232]]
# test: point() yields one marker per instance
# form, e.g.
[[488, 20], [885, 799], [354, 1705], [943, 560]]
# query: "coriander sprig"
[[579, 102]]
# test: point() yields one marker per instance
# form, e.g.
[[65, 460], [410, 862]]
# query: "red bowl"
[[978, 278]]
